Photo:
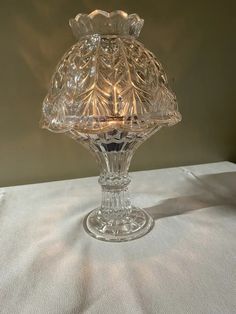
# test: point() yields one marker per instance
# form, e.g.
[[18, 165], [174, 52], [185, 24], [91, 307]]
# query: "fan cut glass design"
[[110, 94]]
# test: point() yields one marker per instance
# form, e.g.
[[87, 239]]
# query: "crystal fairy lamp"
[[110, 94]]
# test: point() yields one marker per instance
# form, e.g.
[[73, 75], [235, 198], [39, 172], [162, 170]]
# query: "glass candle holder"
[[110, 94]]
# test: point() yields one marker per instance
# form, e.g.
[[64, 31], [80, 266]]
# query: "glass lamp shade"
[[110, 94]]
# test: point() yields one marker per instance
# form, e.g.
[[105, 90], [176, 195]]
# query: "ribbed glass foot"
[[129, 227]]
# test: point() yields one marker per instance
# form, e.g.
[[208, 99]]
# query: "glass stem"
[[114, 180]]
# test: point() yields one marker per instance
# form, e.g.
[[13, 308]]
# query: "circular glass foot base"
[[132, 226]]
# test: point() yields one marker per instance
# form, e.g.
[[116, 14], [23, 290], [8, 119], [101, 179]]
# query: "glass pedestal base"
[[129, 227]]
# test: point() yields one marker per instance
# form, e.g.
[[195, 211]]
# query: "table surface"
[[186, 264]]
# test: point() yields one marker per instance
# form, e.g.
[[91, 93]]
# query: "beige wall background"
[[195, 41]]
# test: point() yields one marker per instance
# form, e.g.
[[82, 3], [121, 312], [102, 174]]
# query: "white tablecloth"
[[186, 264]]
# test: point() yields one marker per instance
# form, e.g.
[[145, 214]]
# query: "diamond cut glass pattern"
[[110, 94]]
